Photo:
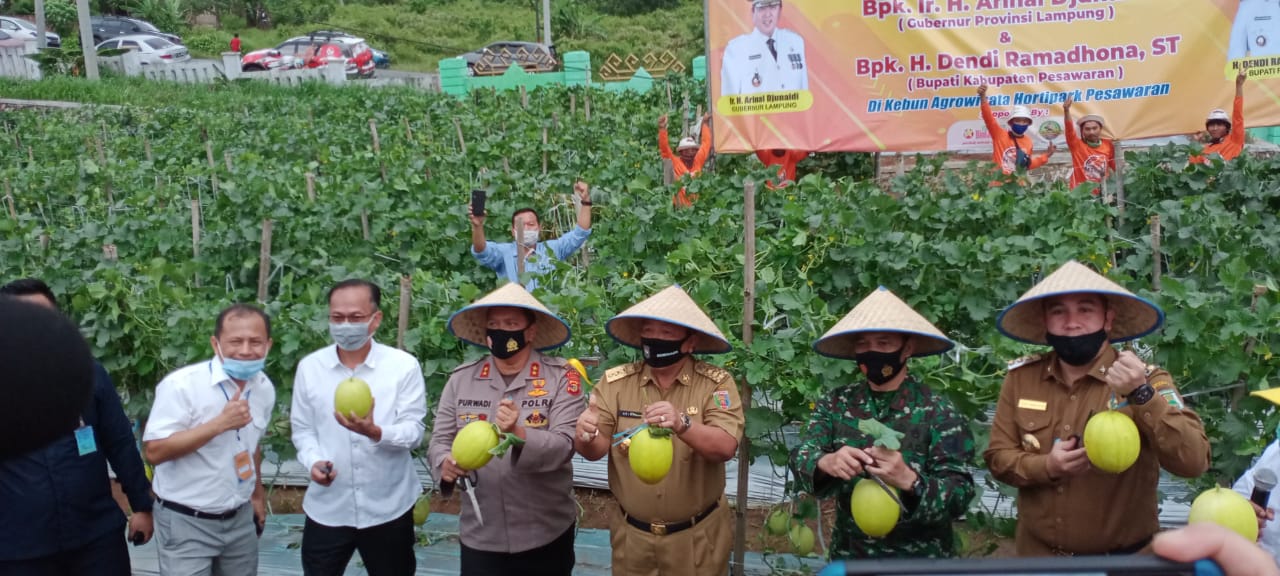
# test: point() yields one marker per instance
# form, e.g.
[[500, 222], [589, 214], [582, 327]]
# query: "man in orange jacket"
[[1093, 157], [786, 161], [1223, 136], [1011, 149], [689, 157]]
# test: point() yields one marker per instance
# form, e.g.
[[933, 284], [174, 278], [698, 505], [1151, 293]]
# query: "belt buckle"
[[658, 528]]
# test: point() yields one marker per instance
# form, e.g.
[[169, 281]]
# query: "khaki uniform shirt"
[[709, 396], [526, 497], [1094, 512]]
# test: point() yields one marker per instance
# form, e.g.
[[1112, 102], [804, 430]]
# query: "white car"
[[19, 28], [154, 50]]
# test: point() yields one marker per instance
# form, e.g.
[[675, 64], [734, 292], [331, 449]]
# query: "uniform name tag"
[[1033, 404], [85, 442], [629, 414]]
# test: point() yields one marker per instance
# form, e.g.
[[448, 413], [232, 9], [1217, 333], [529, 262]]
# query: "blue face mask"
[[1019, 129], [242, 369]]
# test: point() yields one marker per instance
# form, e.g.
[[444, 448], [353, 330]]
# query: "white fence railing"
[[14, 62]]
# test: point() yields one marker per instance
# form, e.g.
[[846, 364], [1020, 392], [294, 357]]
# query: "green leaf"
[[885, 436]]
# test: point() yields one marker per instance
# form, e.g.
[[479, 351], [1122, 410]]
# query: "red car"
[[313, 52]]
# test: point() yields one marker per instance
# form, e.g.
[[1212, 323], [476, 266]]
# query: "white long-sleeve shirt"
[[374, 483], [1269, 538]]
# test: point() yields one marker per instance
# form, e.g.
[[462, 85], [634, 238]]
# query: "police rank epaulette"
[[619, 372], [1025, 360], [468, 365], [715, 373]]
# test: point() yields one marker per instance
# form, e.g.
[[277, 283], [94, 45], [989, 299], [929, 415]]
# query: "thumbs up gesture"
[[589, 422], [235, 415]]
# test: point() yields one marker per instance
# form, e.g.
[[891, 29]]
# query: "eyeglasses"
[[351, 319]]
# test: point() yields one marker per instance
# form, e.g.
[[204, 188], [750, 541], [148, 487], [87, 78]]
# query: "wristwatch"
[[1141, 395], [917, 487], [685, 423]]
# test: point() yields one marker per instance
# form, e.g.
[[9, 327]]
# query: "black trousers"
[[107, 555], [554, 559], [385, 549]]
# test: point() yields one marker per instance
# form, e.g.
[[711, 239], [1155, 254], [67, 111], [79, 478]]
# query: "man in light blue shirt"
[[528, 254]]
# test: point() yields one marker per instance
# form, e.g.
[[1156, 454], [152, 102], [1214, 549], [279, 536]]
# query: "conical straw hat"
[[882, 311], [674, 306], [471, 323], [1024, 320]]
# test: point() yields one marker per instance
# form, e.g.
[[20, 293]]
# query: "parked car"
[[154, 50], [108, 27], [20, 28], [380, 59], [495, 58], [313, 52], [7, 41]]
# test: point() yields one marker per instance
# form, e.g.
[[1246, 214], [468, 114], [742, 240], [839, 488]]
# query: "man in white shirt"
[[767, 59], [1268, 532], [202, 436], [1256, 30], [363, 484]]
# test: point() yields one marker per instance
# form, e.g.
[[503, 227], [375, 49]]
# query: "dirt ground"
[[595, 514]]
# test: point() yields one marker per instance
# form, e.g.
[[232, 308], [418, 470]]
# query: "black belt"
[[192, 512], [1122, 551], [663, 529]]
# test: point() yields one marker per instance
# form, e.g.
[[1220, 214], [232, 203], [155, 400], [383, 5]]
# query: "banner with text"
[[903, 75]]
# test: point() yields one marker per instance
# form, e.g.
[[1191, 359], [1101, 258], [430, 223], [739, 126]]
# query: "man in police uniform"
[[525, 525], [1256, 30], [1065, 505], [681, 524], [767, 59]]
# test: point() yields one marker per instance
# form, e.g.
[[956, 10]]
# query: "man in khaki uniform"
[[525, 525], [1065, 505], [681, 524]]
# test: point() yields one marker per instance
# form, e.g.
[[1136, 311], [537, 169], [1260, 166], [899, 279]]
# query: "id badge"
[[244, 466], [85, 442]]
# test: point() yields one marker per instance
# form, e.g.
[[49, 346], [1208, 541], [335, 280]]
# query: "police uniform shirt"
[[526, 497], [1256, 30], [750, 67]]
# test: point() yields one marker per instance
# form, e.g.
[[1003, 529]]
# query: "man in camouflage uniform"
[[1065, 505], [680, 525], [525, 525], [930, 470]]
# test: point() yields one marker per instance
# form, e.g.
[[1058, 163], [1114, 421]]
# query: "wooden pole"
[[406, 299], [377, 147], [311, 187], [1156, 257], [213, 168], [544, 150], [586, 103], [670, 104], [31, 156], [364, 223], [555, 120], [146, 147], [264, 261], [1120, 201], [457, 125], [524, 97], [44, 241], [102, 155], [195, 234], [748, 320], [573, 103], [408, 130], [8, 195], [227, 157]]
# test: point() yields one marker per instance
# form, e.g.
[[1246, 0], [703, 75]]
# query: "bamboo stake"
[[457, 125], [8, 195], [146, 147], [264, 261], [748, 320], [544, 150], [195, 234], [408, 131], [102, 156], [406, 299], [586, 104], [377, 147], [670, 104], [213, 168], [364, 223], [524, 97], [1156, 257], [573, 103], [31, 156], [555, 120], [311, 187], [227, 157], [44, 241]]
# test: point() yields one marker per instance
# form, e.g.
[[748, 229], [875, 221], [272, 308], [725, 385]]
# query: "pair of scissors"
[[467, 484]]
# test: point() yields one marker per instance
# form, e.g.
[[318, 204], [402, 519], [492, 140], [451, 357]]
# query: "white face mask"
[[529, 238]]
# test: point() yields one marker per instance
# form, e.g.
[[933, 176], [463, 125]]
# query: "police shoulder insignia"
[[619, 372], [471, 364], [1025, 360], [715, 373]]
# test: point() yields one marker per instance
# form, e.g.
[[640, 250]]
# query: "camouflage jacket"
[[937, 445]]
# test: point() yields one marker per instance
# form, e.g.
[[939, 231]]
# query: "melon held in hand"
[[650, 455], [353, 395], [471, 447], [874, 511], [1224, 507], [1111, 441]]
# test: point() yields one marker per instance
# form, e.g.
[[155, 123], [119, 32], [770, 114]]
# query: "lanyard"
[[228, 396]]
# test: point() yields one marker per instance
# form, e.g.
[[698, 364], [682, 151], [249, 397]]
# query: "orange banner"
[[903, 75]]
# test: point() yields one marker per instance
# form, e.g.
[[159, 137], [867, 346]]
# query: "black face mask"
[[659, 353], [881, 367], [505, 343], [1077, 350]]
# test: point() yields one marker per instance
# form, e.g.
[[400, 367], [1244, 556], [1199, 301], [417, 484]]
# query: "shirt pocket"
[[1034, 430]]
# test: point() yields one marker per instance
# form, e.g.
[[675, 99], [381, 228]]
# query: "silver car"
[[20, 28], [153, 50]]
